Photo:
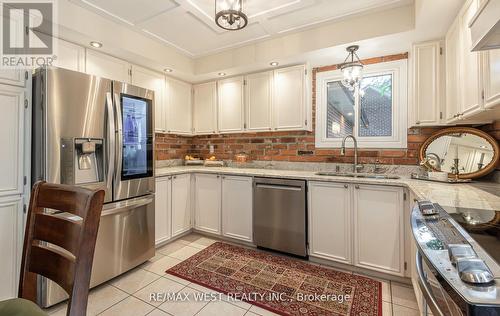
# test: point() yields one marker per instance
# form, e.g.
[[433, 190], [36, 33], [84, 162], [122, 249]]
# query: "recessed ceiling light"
[[96, 44], [222, 74], [274, 63], [168, 70]]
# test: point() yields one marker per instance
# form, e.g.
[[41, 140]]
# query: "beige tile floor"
[[129, 293]]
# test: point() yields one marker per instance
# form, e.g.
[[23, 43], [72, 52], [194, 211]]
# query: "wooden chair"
[[70, 268]]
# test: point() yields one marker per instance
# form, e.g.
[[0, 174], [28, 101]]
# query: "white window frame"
[[399, 71]]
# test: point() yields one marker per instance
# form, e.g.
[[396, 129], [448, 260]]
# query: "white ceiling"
[[188, 25]]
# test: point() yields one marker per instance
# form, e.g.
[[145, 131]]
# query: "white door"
[[12, 77], [106, 66], [491, 78], [163, 209], [289, 102], [470, 62], [330, 221], [379, 228], [179, 107], [70, 56], [426, 83], [207, 203], [259, 96], [181, 204], [155, 81], [453, 97], [237, 210], [11, 237], [205, 108], [11, 137], [230, 105]]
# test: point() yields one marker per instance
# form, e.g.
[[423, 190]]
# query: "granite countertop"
[[455, 195]]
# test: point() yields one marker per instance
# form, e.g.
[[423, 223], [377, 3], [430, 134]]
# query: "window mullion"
[[356, 113]]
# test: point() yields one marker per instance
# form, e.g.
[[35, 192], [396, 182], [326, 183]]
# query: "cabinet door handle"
[[175, 177], [356, 186], [346, 186], [218, 176]]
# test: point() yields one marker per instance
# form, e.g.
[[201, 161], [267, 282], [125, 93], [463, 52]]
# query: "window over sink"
[[375, 113]]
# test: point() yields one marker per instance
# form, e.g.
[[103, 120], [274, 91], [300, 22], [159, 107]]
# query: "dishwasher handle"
[[278, 187]]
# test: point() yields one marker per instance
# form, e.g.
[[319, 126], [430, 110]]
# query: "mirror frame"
[[453, 130]]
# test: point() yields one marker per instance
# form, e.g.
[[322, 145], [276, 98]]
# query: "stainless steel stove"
[[458, 258]]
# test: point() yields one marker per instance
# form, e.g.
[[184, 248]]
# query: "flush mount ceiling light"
[[167, 70], [221, 74], [351, 69], [229, 15], [274, 63], [96, 44]]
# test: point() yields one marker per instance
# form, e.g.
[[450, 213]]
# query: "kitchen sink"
[[357, 175]]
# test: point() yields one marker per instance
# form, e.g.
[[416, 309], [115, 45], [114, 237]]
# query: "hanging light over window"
[[352, 69], [229, 14]]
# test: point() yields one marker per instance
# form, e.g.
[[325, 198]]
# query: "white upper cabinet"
[[428, 86], [452, 48], [470, 78], [230, 105], [11, 236], [379, 228], [207, 203], [258, 97], [237, 201], [70, 56], [205, 108], [289, 98], [330, 221], [106, 66], [163, 209], [179, 107], [155, 81], [181, 204], [491, 78], [11, 138]]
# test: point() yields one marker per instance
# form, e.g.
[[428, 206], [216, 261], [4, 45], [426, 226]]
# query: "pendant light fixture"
[[229, 14], [351, 69]]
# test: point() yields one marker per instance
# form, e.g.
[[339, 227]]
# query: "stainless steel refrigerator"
[[98, 133]]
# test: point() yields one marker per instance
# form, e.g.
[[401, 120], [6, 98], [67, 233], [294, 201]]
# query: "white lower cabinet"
[[379, 228], [330, 220], [181, 204], [362, 225], [11, 218], [207, 203], [163, 209], [237, 207]]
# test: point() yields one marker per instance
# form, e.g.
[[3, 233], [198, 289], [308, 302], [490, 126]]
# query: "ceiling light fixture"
[[221, 74], [229, 15], [167, 70], [351, 69], [274, 63], [95, 44]]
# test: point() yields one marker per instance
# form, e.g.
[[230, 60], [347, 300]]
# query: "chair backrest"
[[60, 245]]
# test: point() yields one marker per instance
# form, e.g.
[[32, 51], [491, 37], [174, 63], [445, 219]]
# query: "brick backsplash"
[[297, 146]]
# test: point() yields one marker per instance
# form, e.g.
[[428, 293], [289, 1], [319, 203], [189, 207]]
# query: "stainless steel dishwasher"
[[280, 215]]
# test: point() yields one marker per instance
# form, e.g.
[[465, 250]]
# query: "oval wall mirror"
[[463, 152]]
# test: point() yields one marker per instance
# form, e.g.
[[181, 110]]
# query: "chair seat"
[[20, 307]]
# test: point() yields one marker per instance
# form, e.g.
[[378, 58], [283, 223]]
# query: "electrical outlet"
[[211, 149]]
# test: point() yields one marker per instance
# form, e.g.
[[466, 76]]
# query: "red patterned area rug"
[[281, 284]]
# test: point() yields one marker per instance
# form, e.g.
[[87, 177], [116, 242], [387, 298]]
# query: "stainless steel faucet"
[[355, 166]]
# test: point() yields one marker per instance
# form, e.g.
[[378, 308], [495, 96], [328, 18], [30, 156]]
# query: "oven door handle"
[[424, 287]]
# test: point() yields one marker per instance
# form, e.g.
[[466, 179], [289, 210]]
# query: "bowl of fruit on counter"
[[192, 161], [213, 162]]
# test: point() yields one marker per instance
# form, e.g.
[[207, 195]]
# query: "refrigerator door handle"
[[119, 139], [111, 140], [119, 207]]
